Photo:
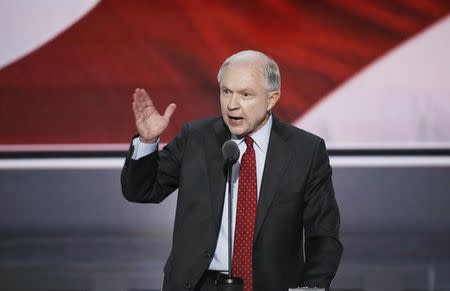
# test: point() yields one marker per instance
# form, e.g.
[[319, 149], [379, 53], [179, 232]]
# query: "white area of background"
[[25, 25], [117, 163], [401, 100]]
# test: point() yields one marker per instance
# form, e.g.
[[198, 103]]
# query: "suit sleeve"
[[154, 177], [323, 249]]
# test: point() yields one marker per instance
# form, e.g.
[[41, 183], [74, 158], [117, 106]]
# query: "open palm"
[[149, 122]]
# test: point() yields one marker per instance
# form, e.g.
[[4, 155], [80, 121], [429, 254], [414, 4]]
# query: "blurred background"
[[371, 77]]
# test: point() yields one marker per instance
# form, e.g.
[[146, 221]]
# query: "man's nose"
[[233, 102]]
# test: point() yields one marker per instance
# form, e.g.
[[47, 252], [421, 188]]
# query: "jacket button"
[[208, 254], [188, 285]]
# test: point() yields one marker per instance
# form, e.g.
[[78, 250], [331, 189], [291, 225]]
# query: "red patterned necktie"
[[245, 217]]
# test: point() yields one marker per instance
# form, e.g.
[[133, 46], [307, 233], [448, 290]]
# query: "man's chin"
[[239, 132]]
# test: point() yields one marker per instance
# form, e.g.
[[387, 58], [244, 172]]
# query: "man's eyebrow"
[[246, 90]]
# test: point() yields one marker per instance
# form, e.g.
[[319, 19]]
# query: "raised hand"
[[149, 123]]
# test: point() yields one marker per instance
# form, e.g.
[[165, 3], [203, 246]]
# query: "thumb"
[[169, 110]]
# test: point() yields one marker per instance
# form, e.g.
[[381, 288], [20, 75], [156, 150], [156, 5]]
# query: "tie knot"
[[248, 141]]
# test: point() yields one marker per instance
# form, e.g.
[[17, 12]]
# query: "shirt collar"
[[260, 137]]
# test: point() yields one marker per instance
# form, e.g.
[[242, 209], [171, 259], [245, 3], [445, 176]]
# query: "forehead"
[[243, 75]]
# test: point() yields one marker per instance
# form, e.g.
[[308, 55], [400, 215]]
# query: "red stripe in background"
[[77, 88]]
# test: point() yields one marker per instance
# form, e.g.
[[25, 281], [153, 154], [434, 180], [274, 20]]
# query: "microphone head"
[[230, 151]]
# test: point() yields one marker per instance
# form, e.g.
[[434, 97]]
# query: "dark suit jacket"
[[296, 193]]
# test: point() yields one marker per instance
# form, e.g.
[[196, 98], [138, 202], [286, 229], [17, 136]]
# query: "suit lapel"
[[277, 160], [216, 170]]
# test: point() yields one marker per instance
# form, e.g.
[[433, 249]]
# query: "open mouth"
[[235, 118]]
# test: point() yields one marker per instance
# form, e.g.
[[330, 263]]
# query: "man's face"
[[244, 99]]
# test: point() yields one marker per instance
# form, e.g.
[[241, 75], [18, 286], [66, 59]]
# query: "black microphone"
[[230, 152]]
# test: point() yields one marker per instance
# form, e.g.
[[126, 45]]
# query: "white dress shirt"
[[260, 145]]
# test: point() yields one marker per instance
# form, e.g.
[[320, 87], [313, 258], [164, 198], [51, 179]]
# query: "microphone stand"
[[229, 283]]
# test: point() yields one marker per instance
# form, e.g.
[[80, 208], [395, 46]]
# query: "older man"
[[285, 217]]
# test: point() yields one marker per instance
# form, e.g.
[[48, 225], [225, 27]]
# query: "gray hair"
[[270, 67]]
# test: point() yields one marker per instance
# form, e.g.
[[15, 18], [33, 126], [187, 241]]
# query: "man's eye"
[[246, 94], [226, 91]]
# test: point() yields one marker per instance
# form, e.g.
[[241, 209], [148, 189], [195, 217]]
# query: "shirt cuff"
[[143, 149]]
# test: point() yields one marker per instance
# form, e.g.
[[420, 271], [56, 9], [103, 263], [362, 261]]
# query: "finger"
[[135, 107], [137, 111], [136, 101], [137, 97], [169, 110], [140, 100], [136, 92], [145, 97]]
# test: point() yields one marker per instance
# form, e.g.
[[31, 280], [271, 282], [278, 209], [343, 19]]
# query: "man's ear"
[[273, 98]]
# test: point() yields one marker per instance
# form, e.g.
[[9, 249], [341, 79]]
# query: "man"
[[282, 187]]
